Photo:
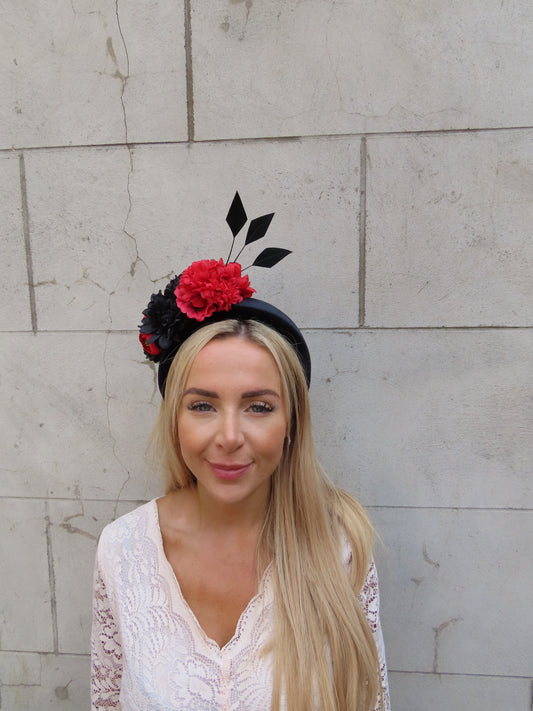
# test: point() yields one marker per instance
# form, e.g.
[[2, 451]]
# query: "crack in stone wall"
[[428, 560], [52, 578], [438, 631], [138, 259], [120, 75], [114, 443], [189, 70], [27, 241], [362, 230]]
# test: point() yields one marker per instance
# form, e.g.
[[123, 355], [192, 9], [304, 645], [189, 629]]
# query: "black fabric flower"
[[162, 323]]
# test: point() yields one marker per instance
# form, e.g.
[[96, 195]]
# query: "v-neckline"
[[265, 578]]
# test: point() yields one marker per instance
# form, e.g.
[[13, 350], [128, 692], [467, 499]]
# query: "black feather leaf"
[[270, 256], [258, 228], [236, 217]]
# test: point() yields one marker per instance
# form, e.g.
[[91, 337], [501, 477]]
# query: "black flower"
[[162, 323]]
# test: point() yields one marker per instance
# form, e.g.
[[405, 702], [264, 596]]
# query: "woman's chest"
[[216, 587], [170, 662]]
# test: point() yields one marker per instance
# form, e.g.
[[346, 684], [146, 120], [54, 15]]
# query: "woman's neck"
[[196, 511]]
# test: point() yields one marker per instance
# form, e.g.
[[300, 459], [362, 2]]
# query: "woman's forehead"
[[234, 360]]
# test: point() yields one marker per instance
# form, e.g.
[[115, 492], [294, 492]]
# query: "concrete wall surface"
[[394, 141]]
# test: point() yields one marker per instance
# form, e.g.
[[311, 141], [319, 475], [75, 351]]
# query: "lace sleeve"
[[369, 599], [106, 651]]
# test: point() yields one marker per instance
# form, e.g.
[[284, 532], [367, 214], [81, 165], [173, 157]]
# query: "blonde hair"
[[323, 649]]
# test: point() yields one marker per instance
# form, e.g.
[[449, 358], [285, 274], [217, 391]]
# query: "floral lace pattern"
[[149, 652]]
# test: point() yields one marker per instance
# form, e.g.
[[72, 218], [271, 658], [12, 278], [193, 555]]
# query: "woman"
[[250, 584]]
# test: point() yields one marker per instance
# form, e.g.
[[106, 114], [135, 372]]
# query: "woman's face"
[[232, 421]]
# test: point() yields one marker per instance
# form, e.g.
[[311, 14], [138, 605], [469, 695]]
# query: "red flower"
[[150, 348], [208, 286]]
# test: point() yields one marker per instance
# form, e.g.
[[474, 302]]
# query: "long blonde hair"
[[323, 649]]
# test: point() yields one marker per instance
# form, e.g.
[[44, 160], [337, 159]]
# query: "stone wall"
[[394, 141]]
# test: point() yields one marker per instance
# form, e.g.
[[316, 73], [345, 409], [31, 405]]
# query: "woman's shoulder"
[[129, 549], [121, 529]]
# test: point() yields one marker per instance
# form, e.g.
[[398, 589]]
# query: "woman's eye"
[[261, 407], [200, 406]]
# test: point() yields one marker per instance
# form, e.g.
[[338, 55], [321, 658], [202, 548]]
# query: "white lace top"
[[149, 652]]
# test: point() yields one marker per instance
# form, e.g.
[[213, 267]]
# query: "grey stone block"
[[91, 73], [449, 230], [453, 588], [293, 68], [426, 417]]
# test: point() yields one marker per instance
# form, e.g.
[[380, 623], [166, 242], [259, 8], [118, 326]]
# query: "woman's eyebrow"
[[245, 396], [260, 393], [199, 391]]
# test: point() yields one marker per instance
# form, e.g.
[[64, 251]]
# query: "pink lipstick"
[[228, 472]]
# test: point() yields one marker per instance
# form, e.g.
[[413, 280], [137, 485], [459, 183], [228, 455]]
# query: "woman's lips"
[[229, 472]]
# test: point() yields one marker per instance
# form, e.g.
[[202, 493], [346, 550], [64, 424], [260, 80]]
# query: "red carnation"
[[208, 286], [149, 348]]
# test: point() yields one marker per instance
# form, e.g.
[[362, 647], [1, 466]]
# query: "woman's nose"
[[230, 435]]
